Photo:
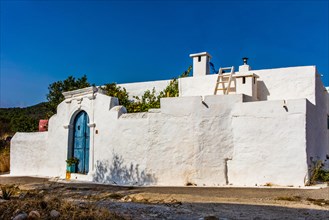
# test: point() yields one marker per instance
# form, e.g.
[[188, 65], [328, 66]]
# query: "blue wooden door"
[[81, 141]]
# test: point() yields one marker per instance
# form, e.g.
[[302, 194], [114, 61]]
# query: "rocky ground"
[[72, 200]]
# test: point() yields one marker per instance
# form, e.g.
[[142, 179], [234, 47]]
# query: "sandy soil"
[[186, 202]]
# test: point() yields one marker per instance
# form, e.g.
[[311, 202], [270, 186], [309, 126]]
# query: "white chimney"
[[245, 67], [201, 63]]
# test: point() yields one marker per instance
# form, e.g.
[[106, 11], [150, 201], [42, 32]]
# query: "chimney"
[[245, 67], [201, 63]]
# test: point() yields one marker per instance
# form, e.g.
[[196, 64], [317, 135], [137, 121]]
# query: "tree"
[[112, 89], [56, 89]]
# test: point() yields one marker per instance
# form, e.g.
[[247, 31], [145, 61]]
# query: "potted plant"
[[71, 164]]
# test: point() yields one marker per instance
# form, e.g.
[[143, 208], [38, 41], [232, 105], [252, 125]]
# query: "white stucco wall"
[[196, 86], [198, 138], [138, 88], [272, 84], [269, 144], [196, 144], [28, 154], [286, 83], [187, 141], [317, 127], [119, 158], [58, 140]]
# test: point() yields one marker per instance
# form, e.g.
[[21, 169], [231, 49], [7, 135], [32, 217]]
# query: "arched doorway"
[[81, 134]]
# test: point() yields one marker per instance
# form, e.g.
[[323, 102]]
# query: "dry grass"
[[104, 196], [289, 198], [67, 210], [4, 160], [116, 196], [33, 200], [320, 202]]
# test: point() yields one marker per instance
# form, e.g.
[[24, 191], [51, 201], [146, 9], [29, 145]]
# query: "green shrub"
[[323, 175], [72, 160]]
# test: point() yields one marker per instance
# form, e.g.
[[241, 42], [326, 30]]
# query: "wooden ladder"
[[224, 80]]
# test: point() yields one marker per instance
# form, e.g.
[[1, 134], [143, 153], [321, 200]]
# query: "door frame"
[[71, 139]]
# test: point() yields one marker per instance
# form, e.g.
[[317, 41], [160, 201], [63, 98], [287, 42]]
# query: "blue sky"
[[128, 41]]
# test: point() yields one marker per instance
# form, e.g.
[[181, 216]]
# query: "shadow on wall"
[[116, 172], [262, 91]]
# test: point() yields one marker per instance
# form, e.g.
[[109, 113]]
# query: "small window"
[[244, 80], [328, 121], [199, 58]]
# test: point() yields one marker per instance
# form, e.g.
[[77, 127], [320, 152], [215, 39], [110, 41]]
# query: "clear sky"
[[128, 41]]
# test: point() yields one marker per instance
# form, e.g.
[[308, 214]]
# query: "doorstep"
[[80, 177]]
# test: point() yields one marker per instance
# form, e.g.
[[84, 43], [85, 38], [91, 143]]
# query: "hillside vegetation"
[[21, 119]]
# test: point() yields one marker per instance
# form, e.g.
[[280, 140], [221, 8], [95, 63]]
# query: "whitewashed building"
[[240, 128]]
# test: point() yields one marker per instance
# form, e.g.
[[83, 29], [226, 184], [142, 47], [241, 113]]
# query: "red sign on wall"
[[43, 125]]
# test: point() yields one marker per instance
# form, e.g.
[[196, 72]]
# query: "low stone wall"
[[29, 154]]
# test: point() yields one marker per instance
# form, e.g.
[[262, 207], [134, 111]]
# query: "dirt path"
[[186, 202]]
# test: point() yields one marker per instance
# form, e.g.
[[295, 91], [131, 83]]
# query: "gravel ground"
[[187, 202]]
